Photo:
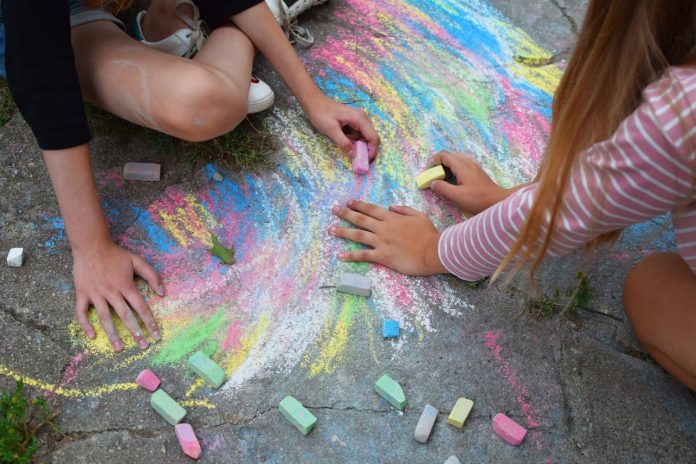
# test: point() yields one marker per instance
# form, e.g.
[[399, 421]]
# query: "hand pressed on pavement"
[[401, 237]]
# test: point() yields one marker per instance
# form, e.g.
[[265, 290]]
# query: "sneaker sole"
[[261, 105]]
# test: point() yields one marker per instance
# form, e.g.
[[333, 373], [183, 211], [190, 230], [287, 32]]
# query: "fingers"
[[356, 235], [445, 190], [405, 210], [129, 320], [107, 323], [335, 133], [359, 120], [148, 273], [369, 256], [81, 308], [354, 217], [368, 209], [137, 302]]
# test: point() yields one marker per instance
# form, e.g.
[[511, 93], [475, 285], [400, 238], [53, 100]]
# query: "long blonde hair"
[[115, 6], [623, 46]]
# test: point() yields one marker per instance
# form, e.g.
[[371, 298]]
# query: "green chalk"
[[297, 414], [167, 407], [390, 390], [206, 368]]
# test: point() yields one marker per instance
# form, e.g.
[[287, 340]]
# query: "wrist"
[[433, 265], [92, 245]]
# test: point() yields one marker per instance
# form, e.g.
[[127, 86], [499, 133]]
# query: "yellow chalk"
[[460, 412], [427, 177]]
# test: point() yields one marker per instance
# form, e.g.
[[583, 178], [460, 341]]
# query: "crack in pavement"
[[567, 16]]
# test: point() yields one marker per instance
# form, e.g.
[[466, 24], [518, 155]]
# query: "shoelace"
[[296, 33], [197, 34]]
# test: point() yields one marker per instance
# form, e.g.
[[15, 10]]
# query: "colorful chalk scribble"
[[433, 74]]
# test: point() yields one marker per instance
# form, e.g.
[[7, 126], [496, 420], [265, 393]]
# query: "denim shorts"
[[79, 15]]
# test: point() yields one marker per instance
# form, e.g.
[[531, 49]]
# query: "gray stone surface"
[[588, 389]]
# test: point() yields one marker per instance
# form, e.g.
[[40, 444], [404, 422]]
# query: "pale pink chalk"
[[508, 429], [148, 380], [361, 162], [146, 172], [188, 441]]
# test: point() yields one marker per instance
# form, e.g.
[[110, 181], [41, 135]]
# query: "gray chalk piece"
[[425, 423], [146, 172], [452, 460], [354, 284]]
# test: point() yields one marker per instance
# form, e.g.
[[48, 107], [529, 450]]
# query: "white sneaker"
[[260, 96], [184, 42], [286, 17]]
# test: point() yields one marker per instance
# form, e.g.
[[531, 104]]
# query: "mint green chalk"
[[297, 414], [390, 390], [207, 369], [167, 407]]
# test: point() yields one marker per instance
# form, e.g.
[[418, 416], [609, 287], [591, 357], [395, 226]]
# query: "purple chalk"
[[145, 172], [361, 162], [188, 441], [508, 429]]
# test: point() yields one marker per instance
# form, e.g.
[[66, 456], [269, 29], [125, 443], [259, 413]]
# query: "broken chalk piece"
[[15, 257], [452, 460], [206, 368], [297, 414], [167, 407], [146, 172], [148, 380], [427, 177], [390, 390], [508, 429], [188, 441], [217, 177], [361, 161], [354, 284], [425, 424], [460, 412], [390, 328]]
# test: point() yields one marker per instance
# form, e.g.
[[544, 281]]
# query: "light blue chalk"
[[390, 328]]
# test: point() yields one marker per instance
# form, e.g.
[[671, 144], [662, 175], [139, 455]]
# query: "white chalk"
[[218, 177], [15, 257], [354, 283], [452, 460], [425, 423], [145, 172]]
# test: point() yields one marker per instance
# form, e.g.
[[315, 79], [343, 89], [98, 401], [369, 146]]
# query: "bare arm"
[[102, 271], [327, 115]]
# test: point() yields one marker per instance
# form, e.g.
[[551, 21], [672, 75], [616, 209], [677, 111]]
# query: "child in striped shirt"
[[622, 149]]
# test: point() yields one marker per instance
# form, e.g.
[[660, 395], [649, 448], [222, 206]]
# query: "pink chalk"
[[148, 380], [188, 441], [508, 429], [361, 162]]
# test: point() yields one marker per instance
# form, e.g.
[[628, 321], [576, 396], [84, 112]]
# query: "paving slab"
[[433, 75]]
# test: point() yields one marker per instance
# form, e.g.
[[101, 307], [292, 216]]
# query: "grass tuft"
[[7, 104]]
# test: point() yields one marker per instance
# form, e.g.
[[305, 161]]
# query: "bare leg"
[[660, 301], [190, 99]]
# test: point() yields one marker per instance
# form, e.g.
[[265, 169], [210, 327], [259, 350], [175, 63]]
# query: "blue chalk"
[[390, 328]]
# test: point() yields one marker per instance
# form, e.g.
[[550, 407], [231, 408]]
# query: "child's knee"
[[207, 105]]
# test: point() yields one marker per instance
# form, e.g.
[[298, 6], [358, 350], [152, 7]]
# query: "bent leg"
[[660, 301], [190, 99]]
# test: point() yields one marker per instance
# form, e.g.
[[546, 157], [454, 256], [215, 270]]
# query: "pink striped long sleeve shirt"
[[647, 168]]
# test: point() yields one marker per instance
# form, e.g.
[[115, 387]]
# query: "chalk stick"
[[354, 284], [207, 369], [298, 415], [217, 177], [460, 412], [425, 424], [390, 390], [15, 257], [361, 161], [425, 178], [148, 380], [508, 429], [452, 460], [390, 328], [145, 172], [188, 441], [167, 407]]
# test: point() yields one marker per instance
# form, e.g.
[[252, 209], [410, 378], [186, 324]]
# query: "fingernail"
[[351, 152], [117, 345], [91, 335], [156, 335], [143, 343], [340, 256], [349, 203], [159, 290], [336, 209], [332, 230]]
